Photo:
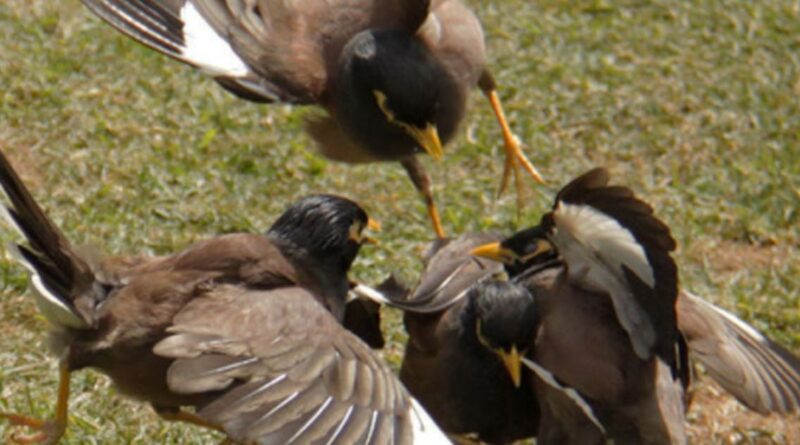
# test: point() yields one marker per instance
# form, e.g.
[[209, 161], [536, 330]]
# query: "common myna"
[[448, 365], [244, 328], [599, 240], [393, 76]]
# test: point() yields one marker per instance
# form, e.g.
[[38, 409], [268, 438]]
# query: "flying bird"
[[392, 76]]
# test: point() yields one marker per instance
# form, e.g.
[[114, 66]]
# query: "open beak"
[[428, 139], [494, 251], [513, 364]]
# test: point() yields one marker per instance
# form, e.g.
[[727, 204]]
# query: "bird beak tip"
[[492, 251], [429, 139], [513, 363], [373, 225]]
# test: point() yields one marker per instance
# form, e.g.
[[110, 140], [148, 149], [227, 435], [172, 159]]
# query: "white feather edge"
[[50, 305], [366, 292], [10, 220], [751, 331], [207, 49], [595, 247], [425, 430], [548, 377], [605, 237]]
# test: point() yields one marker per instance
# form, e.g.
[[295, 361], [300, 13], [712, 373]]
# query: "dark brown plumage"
[[393, 76], [242, 327], [462, 384], [581, 340]]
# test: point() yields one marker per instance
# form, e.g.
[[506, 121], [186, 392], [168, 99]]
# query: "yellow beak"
[[372, 226], [494, 251], [513, 364], [428, 139]]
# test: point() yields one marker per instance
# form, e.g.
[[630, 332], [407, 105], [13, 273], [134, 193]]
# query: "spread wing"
[[279, 369], [758, 372], [450, 272], [611, 242], [260, 50]]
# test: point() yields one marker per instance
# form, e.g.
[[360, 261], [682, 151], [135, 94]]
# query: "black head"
[[325, 227], [521, 251], [394, 96], [505, 321]]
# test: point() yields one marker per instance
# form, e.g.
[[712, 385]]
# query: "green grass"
[[693, 104]]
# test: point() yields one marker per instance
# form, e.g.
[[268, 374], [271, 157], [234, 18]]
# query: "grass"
[[693, 104]]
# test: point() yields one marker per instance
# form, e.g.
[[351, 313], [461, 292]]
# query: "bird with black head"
[[244, 328], [392, 76], [581, 339]]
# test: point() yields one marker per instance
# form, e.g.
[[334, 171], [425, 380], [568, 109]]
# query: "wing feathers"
[[758, 372], [612, 242], [548, 378], [316, 383]]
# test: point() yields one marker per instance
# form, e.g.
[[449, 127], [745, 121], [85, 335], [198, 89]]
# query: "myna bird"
[[462, 384], [607, 323], [392, 76], [449, 365], [244, 328], [582, 341]]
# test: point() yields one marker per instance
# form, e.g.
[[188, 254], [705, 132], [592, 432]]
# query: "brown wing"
[[282, 370], [454, 34], [449, 273], [246, 258], [758, 372], [611, 241], [295, 45]]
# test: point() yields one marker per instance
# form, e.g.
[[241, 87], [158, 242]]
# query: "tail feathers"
[[58, 274], [53, 307]]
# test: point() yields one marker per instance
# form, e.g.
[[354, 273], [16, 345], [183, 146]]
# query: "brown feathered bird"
[[448, 364], [465, 327], [243, 327], [393, 76], [589, 266]]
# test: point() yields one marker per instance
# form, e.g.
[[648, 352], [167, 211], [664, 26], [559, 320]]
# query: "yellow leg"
[[514, 153], [50, 431], [423, 184], [513, 149]]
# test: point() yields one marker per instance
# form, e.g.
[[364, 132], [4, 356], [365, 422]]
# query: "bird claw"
[[49, 432]]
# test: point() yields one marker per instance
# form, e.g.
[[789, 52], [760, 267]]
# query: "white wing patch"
[[206, 48], [425, 430], [604, 237], [364, 291], [596, 247], [548, 377]]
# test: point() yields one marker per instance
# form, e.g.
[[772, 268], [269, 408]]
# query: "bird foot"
[[49, 432], [516, 159]]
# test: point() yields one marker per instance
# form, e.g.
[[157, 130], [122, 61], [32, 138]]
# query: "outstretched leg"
[[423, 183], [514, 155], [49, 431]]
